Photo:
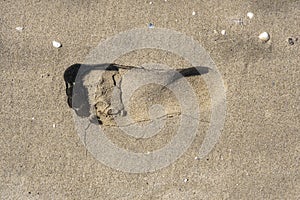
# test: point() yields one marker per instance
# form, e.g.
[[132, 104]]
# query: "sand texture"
[[257, 153]]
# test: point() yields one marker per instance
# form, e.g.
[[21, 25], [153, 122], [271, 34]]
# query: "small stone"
[[223, 32], [291, 41], [54, 125], [32, 118], [250, 15], [193, 13], [264, 36], [185, 180], [56, 44], [150, 2], [151, 25]]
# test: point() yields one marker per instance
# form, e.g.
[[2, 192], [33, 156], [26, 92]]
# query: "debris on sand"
[[264, 36], [292, 40], [19, 28], [151, 25], [250, 15], [56, 44], [239, 21]]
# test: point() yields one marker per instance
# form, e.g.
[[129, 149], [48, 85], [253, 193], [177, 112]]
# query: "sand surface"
[[257, 154]]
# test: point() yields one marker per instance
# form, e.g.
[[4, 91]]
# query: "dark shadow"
[[192, 71], [77, 93]]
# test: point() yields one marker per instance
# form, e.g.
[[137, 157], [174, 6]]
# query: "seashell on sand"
[[56, 44], [264, 36], [250, 15]]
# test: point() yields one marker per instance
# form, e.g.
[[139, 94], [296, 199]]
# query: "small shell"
[[264, 36], [223, 32], [193, 13], [56, 44], [250, 15], [19, 28]]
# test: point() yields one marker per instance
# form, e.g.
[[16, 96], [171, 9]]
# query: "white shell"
[[56, 44], [250, 15], [19, 28], [264, 36], [223, 32], [193, 13]]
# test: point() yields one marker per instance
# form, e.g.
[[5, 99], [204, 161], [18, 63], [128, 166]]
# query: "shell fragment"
[[56, 44], [264, 36], [250, 15], [19, 28]]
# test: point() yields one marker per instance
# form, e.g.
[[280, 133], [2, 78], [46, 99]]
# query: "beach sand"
[[257, 154]]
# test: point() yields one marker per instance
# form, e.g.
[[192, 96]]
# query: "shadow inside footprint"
[[77, 92]]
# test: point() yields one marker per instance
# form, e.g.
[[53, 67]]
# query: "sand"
[[257, 154]]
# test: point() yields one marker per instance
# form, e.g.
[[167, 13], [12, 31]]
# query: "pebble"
[[151, 25], [54, 125], [185, 180], [291, 41], [56, 44], [223, 32], [193, 13], [264, 36], [250, 15]]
